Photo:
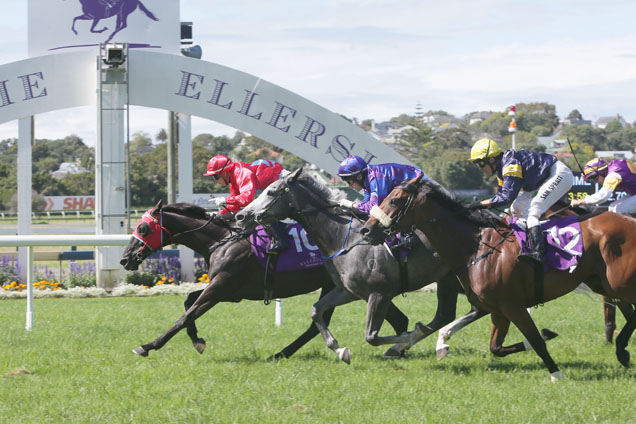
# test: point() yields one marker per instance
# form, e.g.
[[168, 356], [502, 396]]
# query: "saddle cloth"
[[564, 242], [301, 253]]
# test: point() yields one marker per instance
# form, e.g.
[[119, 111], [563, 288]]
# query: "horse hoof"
[[441, 353], [394, 353], [140, 351], [200, 345], [556, 376], [423, 329], [344, 354], [548, 334], [275, 357], [623, 357]]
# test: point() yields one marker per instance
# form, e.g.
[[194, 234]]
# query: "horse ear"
[[294, 175], [417, 179], [157, 207]]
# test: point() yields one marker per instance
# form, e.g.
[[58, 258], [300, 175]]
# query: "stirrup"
[[275, 248]]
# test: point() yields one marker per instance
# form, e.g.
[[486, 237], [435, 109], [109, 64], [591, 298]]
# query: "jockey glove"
[[345, 203], [218, 201], [476, 204]]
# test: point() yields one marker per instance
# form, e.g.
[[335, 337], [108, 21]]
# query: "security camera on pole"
[[512, 128]]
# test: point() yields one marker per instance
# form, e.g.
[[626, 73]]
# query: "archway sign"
[[193, 87]]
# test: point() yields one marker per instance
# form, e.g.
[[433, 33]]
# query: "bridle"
[[391, 228], [154, 240]]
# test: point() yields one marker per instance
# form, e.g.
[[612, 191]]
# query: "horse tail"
[[146, 11]]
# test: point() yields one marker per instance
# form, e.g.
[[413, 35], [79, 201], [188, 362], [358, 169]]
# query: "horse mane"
[[187, 209], [332, 195], [481, 217]]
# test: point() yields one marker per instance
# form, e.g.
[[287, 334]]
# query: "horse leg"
[[205, 301], [122, 22], [97, 30], [623, 338], [377, 308], [336, 297], [609, 315], [309, 334], [445, 333], [446, 310], [79, 18], [191, 327], [523, 321]]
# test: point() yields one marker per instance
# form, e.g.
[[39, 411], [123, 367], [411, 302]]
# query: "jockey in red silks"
[[244, 179]]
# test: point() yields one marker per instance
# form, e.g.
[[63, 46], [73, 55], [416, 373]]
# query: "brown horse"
[[484, 254]]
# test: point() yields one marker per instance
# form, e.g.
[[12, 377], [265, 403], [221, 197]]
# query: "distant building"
[[614, 154], [475, 117], [69, 168], [604, 120]]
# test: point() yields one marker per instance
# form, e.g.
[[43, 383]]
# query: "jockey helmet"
[[593, 168], [218, 164], [484, 148], [352, 165]]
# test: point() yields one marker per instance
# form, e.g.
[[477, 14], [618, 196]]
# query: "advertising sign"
[[69, 203], [67, 25]]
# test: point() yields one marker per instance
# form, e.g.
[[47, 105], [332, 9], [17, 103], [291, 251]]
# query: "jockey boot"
[[278, 243], [537, 244]]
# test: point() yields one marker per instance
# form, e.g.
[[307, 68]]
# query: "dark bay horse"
[[97, 10], [233, 269], [484, 254], [360, 271]]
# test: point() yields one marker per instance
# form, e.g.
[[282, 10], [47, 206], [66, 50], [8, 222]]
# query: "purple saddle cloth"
[[302, 253], [564, 242]]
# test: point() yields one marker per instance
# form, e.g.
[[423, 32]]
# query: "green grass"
[[82, 369]]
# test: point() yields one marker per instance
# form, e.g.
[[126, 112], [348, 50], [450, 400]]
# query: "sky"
[[377, 59]]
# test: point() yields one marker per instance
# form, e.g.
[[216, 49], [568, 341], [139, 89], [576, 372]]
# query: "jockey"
[[244, 179], [377, 181], [533, 182], [618, 174]]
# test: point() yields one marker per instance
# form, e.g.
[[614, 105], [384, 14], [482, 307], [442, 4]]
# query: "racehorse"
[[97, 10], [484, 255], [233, 269], [359, 270]]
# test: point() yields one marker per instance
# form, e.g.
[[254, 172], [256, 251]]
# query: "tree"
[[530, 115], [575, 115], [613, 126], [585, 134]]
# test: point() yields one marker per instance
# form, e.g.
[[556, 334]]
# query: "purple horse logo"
[[97, 10]]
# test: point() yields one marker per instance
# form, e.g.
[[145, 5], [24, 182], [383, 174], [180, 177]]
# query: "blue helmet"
[[351, 166]]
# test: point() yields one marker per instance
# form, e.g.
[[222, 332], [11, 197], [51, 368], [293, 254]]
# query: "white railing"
[[56, 240]]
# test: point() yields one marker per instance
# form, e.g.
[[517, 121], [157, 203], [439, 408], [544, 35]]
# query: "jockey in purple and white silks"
[[618, 174], [533, 182], [377, 181]]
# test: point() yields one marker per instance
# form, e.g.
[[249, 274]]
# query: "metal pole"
[[172, 136], [29, 311], [279, 312]]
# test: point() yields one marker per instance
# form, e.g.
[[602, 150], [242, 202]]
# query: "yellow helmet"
[[484, 148]]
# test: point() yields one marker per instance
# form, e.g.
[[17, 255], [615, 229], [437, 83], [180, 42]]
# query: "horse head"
[[278, 201], [147, 238], [394, 213]]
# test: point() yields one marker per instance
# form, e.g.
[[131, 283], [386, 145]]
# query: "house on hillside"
[[614, 154], [69, 168], [604, 120], [475, 117]]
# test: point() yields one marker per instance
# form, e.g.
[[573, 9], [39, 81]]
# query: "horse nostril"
[[365, 231], [239, 217]]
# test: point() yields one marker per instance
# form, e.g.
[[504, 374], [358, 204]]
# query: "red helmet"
[[218, 164]]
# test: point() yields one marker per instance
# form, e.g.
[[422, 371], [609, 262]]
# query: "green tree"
[[530, 115], [585, 134], [575, 115]]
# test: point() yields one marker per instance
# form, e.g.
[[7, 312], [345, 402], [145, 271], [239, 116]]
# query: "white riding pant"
[[532, 204], [625, 205]]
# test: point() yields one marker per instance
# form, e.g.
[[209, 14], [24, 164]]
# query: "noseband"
[[391, 226]]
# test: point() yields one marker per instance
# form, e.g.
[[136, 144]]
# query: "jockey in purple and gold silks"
[[376, 180], [533, 182], [619, 175]]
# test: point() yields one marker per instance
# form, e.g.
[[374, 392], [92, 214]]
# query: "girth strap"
[[538, 283]]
